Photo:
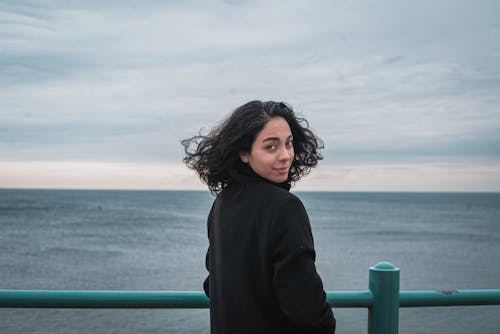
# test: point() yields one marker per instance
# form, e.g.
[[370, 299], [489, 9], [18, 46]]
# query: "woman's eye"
[[271, 147], [289, 144]]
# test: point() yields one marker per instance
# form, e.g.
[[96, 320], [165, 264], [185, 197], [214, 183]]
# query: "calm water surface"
[[156, 240]]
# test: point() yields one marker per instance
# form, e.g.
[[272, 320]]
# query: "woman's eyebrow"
[[276, 138]]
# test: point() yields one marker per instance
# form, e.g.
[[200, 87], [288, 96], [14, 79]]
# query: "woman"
[[262, 277]]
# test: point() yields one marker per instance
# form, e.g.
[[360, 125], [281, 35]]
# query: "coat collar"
[[246, 174]]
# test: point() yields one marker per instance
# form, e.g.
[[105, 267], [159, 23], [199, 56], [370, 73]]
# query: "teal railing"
[[383, 299]]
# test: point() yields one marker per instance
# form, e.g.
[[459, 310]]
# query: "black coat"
[[262, 277]]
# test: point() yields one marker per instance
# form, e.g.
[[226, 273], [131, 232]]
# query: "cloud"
[[450, 177], [96, 175], [125, 81], [162, 176]]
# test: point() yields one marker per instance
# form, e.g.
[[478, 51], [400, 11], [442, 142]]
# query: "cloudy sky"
[[98, 94]]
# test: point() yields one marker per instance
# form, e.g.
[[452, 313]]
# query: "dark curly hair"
[[216, 155]]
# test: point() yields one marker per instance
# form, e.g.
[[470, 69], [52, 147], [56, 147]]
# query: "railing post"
[[383, 316]]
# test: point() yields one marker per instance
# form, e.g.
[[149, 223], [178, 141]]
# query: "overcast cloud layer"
[[406, 93]]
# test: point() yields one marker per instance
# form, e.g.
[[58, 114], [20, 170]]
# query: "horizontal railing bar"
[[141, 299], [348, 299], [197, 299], [449, 298], [101, 299]]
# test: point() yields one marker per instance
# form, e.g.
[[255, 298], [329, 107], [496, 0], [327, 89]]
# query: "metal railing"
[[383, 299]]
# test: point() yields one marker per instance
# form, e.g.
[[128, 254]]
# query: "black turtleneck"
[[246, 175], [262, 276]]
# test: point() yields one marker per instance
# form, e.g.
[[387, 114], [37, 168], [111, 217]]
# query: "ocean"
[[156, 240]]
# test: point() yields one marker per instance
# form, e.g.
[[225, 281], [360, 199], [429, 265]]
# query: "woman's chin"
[[280, 178]]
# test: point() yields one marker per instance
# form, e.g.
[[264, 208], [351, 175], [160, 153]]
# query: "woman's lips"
[[283, 170]]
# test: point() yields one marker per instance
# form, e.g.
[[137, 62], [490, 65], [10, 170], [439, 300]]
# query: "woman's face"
[[271, 154]]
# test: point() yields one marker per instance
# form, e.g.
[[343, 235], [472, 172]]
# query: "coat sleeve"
[[299, 288], [206, 283]]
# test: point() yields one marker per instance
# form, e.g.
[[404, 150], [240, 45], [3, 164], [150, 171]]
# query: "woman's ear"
[[244, 156]]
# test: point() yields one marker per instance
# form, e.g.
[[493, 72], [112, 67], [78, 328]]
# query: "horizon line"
[[299, 191]]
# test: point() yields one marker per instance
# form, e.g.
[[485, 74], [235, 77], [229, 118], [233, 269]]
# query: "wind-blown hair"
[[216, 155]]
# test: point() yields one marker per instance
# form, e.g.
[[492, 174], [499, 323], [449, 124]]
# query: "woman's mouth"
[[283, 170]]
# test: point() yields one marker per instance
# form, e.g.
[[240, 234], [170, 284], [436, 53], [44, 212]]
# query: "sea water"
[[156, 240]]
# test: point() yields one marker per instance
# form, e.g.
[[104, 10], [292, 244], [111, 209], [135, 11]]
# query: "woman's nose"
[[284, 154]]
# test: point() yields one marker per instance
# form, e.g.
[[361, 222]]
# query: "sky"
[[98, 94]]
